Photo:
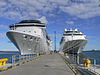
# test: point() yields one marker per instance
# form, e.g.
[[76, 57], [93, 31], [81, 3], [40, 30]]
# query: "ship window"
[[34, 31], [72, 34], [31, 38], [78, 34], [24, 37], [12, 28], [29, 49], [37, 40], [67, 34], [34, 38]]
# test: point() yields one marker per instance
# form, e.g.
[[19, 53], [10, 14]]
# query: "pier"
[[44, 65]]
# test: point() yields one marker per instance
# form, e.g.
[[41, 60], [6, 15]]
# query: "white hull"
[[72, 41], [30, 37], [73, 46], [27, 46]]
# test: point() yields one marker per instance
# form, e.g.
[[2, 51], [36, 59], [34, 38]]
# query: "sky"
[[56, 14]]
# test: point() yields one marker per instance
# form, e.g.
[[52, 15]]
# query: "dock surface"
[[45, 65]]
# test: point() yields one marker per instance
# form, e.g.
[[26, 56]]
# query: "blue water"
[[87, 54], [92, 55], [8, 55]]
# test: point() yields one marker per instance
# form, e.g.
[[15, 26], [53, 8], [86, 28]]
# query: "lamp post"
[[55, 41]]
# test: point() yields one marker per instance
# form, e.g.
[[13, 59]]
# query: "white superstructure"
[[72, 41], [29, 36]]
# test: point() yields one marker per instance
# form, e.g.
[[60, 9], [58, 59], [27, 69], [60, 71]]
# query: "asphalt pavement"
[[45, 65]]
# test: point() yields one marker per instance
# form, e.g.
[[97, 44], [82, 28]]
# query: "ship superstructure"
[[30, 37], [72, 41]]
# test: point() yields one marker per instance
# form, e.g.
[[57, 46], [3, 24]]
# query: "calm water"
[[92, 55], [87, 54], [8, 54]]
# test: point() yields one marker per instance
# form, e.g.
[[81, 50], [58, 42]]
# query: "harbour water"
[[8, 55], [92, 55], [87, 54]]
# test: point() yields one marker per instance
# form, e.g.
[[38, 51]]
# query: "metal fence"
[[22, 58], [77, 61]]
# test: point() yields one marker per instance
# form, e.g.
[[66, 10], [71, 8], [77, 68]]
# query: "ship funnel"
[[76, 29], [71, 29], [65, 29]]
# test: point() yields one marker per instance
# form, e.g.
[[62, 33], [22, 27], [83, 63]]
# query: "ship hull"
[[74, 46], [26, 45]]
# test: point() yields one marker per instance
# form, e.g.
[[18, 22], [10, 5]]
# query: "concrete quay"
[[45, 65]]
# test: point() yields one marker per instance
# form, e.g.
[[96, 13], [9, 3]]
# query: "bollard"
[[88, 63], [4, 61], [85, 62], [37, 54], [66, 54], [0, 62]]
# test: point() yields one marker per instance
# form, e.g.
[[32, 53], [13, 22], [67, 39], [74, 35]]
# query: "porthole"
[[25, 37]]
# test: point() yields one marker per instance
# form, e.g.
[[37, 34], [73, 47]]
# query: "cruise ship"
[[72, 41], [30, 37]]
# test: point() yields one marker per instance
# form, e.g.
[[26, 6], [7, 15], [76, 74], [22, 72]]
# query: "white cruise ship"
[[30, 37], [72, 41]]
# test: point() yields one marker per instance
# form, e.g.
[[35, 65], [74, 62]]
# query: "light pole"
[[55, 40]]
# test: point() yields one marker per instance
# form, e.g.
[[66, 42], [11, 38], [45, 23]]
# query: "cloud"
[[18, 9], [52, 15], [69, 22], [60, 2], [43, 19], [23, 9], [34, 9], [4, 27], [83, 10], [2, 35]]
